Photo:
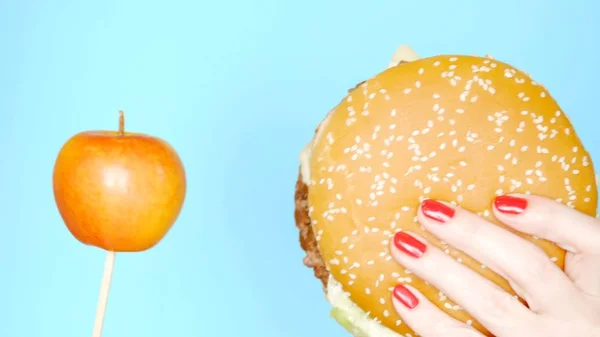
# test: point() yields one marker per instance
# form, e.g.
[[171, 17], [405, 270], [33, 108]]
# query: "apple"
[[117, 190]]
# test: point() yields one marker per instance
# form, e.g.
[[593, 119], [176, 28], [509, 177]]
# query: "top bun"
[[458, 128]]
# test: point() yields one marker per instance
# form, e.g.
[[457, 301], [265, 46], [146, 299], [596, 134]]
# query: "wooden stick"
[[109, 266]]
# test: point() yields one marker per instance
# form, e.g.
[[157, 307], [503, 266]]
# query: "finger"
[[574, 231], [494, 308], [545, 218], [425, 318], [530, 271], [583, 270]]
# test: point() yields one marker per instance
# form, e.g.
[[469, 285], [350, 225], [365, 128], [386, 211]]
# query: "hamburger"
[[458, 128]]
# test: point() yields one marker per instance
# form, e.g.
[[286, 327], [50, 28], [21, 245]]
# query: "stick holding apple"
[[118, 191]]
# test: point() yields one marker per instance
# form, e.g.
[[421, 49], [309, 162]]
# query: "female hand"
[[561, 303]]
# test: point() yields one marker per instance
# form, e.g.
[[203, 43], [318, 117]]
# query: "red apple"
[[117, 190]]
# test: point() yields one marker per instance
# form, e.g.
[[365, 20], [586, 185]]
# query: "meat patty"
[[308, 242]]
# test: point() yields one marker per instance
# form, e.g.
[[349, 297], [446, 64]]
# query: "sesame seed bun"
[[458, 128]]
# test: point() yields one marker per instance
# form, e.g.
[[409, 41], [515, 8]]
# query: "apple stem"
[[109, 266], [121, 123]]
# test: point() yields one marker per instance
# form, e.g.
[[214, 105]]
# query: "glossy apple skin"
[[118, 192]]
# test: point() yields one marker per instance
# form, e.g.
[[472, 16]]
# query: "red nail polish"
[[510, 205], [404, 296], [437, 211], [409, 245]]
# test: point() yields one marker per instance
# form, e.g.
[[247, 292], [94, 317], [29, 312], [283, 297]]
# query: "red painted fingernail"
[[404, 296], [409, 245], [510, 205], [437, 211]]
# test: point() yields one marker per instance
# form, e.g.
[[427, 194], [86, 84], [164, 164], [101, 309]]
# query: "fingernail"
[[437, 211], [409, 245], [510, 205], [404, 296]]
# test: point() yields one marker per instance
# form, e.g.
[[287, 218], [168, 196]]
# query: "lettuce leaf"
[[342, 318]]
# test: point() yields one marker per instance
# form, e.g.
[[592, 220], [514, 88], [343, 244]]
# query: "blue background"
[[237, 88]]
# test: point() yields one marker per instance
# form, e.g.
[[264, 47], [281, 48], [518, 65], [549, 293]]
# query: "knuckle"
[[543, 224], [534, 264], [472, 229], [499, 309]]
